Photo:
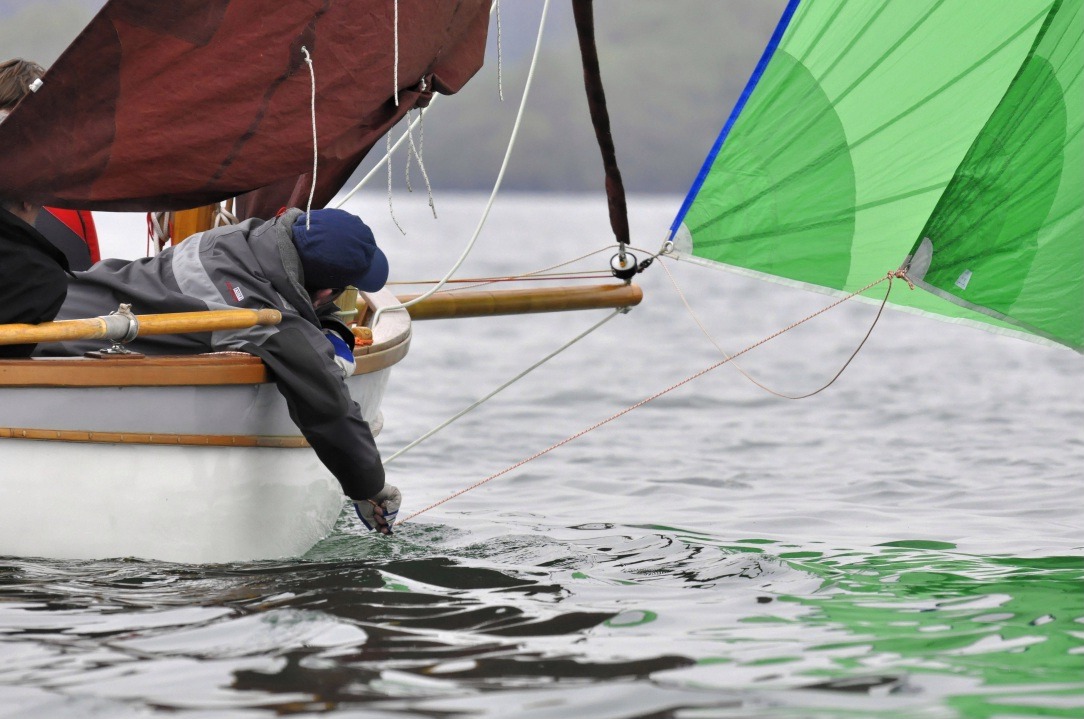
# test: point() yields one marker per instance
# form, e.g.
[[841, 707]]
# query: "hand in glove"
[[379, 512], [344, 354]]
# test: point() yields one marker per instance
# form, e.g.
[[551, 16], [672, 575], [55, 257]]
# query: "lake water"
[[906, 544]]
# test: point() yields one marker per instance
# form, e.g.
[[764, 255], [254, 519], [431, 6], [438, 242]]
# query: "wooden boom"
[[484, 303], [117, 326]]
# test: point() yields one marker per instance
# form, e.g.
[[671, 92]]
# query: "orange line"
[[187, 440]]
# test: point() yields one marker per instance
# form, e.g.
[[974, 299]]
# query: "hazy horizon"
[[672, 73]]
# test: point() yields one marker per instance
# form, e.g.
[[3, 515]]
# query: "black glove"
[[379, 512]]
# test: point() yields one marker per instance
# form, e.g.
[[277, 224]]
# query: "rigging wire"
[[524, 373], [507, 384], [391, 209], [417, 153], [748, 376], [472, 282], [497, 184], [500, 82], [527, 276], [384, 160], [889, 277], [402, 138]]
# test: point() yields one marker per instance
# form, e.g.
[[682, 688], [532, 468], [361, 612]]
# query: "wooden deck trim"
[[391, 343], [186, 440], [205, 369], [162, 371]]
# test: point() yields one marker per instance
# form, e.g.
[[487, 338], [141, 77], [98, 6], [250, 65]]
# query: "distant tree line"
[[672, 71]]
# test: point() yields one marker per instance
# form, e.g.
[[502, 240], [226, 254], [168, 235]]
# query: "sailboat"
[[195, 458], [929, 138]]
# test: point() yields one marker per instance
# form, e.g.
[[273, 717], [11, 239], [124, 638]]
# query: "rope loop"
[[417, 151], [223, 216], [726, 359]]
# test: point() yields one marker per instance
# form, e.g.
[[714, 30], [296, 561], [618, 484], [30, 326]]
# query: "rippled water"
[[906, 544]]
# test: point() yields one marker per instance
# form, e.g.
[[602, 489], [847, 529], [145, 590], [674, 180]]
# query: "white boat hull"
[[191, 459], [184, 504]]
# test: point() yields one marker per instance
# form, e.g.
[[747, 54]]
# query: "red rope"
[[890, 276]]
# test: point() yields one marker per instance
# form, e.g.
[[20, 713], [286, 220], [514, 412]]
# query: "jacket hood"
[[272, 243]]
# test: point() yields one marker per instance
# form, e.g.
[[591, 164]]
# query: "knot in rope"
[[900, 274]]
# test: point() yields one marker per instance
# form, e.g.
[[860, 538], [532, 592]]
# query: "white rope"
[[497, 184], [409, 157], [315, 147], [391, 210], [417, 153], [392, 148], [395, 74], [507, 384], [386, 159], [224, 216], [500, 82], [157, 232], [544, 272]]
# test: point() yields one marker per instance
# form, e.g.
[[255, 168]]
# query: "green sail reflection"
[[1011, 623]]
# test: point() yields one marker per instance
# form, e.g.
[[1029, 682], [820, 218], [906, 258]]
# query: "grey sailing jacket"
[[251, 265]]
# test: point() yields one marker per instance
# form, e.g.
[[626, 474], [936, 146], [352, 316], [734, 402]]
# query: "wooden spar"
[[186, 223], [485, 303], [117, 326]]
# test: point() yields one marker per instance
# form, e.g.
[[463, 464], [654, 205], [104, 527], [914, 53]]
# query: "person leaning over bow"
[[295, 264], [33, 273]]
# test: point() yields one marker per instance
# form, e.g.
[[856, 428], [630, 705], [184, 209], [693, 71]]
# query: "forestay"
[[869, 126]]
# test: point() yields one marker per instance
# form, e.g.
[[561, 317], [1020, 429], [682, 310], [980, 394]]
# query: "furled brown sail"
[[160, 106]]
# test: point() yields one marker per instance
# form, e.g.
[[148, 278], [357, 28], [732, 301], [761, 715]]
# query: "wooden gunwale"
[[165, 370], [187, 440], [391, 343]]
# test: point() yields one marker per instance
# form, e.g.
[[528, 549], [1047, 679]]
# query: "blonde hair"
[[15, 78]]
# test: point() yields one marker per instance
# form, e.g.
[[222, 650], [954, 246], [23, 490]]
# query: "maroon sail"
[[165, 106]]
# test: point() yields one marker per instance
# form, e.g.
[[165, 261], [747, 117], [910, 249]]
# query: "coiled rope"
[[889, 277]]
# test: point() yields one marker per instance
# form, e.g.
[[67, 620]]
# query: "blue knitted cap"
[[338, 249]]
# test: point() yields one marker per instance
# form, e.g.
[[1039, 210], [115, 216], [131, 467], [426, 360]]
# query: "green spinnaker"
[[872, 124], [1007, 236]]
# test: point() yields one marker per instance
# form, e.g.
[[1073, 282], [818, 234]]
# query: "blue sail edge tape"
[[754, 80]]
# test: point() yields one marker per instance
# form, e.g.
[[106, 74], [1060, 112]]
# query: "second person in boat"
[[295, 263]]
